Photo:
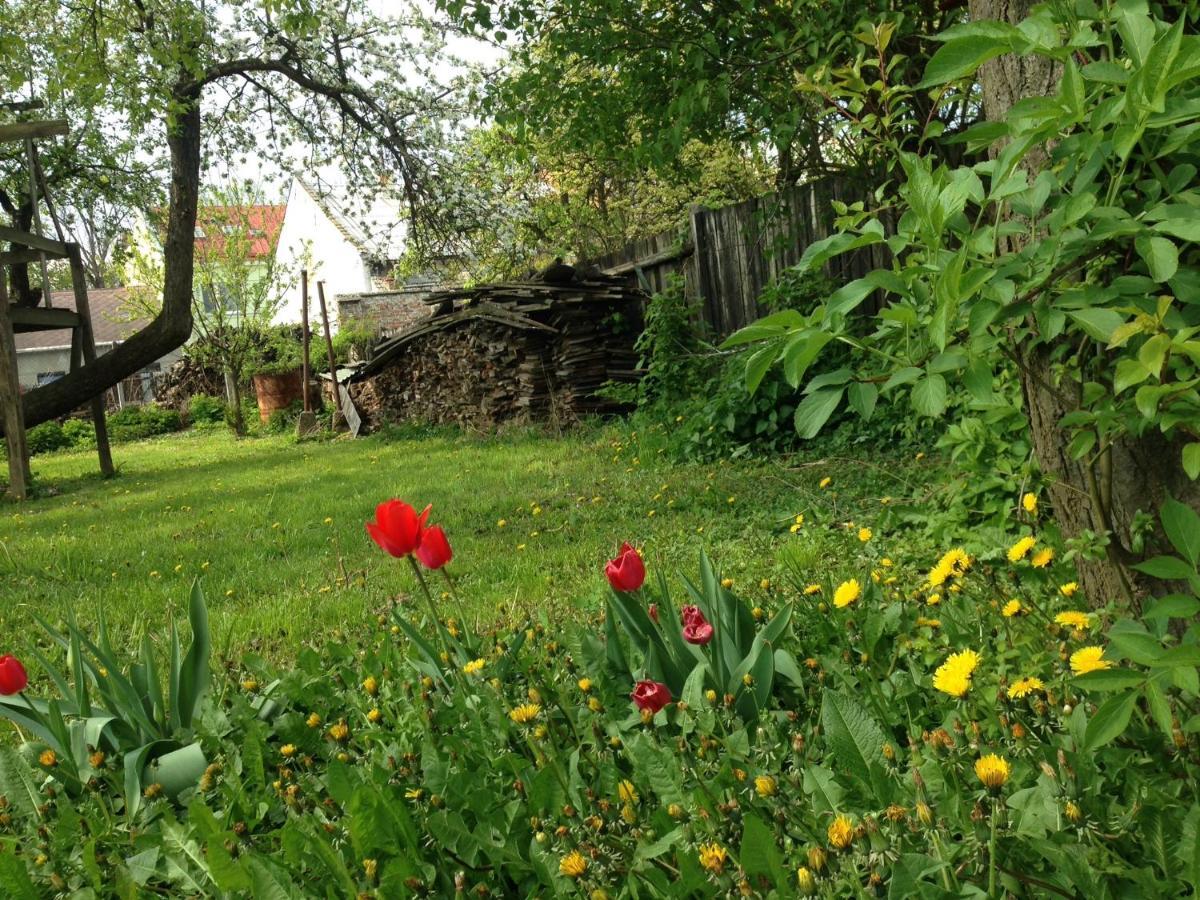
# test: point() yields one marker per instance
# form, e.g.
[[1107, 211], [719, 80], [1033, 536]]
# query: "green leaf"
[[14, 878], [758, 854], [1129, 372], [1110, 720], [862, 397], [1160, 255], [929, 396], [855, 740], [814, 411], [960, 57], [758, 365], [1160, 708], [16, 783], [1109, 680], [1191, 460], [1173, 606], [1098, 323], [1169, 568], [1182, 525], [800, 353]]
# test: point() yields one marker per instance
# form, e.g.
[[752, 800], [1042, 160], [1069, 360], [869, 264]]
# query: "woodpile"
[[175, 386], [522, 351]]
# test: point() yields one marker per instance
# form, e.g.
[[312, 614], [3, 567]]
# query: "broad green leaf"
[[1110, 720], [1170, 568], [814, 411], [1191, 460], [862, 396], [758, 854], [1182, 525], [1160, 255], [855, 740], [960, 57], [1109, 680], [1098, 324], [929, 396], [1129, 372], [758, 365]]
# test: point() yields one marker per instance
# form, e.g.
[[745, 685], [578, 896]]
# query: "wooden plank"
[[88, 348], [38, 318], [652, 259], [19, 131], [11, 407], [37, 242], [15, 257]]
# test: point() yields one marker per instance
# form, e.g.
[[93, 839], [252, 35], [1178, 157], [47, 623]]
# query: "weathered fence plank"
[[727, 256]]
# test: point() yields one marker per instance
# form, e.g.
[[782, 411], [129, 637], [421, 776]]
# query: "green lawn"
[[274, 528]]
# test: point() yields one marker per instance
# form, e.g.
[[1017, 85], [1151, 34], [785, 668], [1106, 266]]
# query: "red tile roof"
[[110, 322], [263, 222]]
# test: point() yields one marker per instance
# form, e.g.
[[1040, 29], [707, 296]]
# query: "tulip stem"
[[438, 628]]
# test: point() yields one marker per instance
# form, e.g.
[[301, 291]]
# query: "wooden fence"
[[728, 255]]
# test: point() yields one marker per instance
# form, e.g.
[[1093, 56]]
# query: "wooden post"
[[304, 371], [335, 388], [99, 421], [10, 401]]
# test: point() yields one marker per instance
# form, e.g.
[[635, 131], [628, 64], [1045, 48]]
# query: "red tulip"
[[698, 632], [653, 612], [434, 550], [651, 695], [690, 614], [12, 675], [397, 527], [627, 572]]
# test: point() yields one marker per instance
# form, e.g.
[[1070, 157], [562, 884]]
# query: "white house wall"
[[34, 362], [331, 258]]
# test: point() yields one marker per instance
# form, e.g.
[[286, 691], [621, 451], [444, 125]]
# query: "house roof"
[[262, 221], [110, 321], [374, 226]]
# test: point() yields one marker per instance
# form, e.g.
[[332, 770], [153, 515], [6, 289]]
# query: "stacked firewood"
[[175, 386], [510, 352]]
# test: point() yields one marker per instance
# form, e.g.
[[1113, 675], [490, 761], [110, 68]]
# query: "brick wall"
[[387, 312]]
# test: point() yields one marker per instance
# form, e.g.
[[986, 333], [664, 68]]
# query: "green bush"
[[134, 423], [46, 438], [80, 432], [206, 410], [353, 343]]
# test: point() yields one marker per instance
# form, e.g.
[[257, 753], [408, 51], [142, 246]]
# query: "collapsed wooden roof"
[[514, 304]]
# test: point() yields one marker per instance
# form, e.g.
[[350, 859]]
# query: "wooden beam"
[[11, 407], [88, 348], [654, 259], [13, 257], [38, 318], [37, 242], [19, 131]]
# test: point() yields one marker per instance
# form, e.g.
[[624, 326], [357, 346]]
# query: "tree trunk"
[[1136, 474], [173, 325], [233, 381]]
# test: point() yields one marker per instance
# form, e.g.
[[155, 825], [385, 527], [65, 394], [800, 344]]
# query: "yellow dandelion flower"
[[473, 666], [48, 758], [727, 583], [1073, 619], [953, 677], [933, 599], [585, 684], [713, 857], [374, 716], [841, 833], [765, 785], [1021, 548], [1030, 503], [313, 721], [1042, 558], [886, 563], [825, 482], [811, 589], [288, 750], [1069, 589], [1023, 687], [370, 685], [800, 519], [626, 792], [805, 880], [1089, 659], [992, 770], [864, 534], [1012, 608], [340, 732], [525, 713], [846, 593]]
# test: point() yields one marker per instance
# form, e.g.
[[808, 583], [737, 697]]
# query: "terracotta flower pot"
[[277, 392]]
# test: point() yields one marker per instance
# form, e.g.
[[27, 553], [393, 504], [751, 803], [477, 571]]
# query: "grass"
[[274, 528]]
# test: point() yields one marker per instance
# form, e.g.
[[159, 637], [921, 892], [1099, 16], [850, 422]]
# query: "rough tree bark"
[[1136, 474]]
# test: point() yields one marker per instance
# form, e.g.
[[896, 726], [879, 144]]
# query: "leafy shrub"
[[80, 432], [351, 344], [138, 422], [205, 410], [46, 438], [281, 352]]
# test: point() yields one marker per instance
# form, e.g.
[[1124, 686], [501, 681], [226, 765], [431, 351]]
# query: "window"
[[47, 377]]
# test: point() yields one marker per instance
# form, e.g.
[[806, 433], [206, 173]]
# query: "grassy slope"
[[250, 517]]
